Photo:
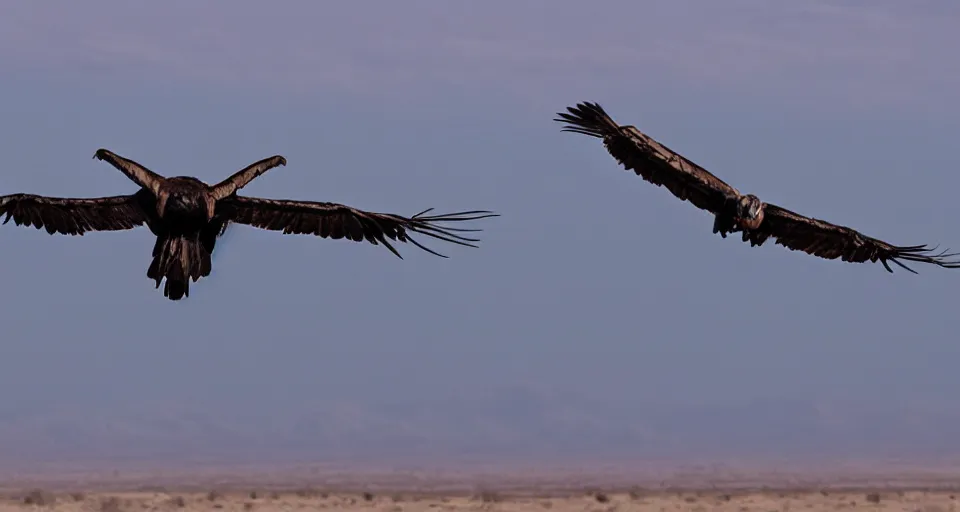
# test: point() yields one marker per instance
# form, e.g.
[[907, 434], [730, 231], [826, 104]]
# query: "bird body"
[[186, 234], [184, 200], [188, 216]]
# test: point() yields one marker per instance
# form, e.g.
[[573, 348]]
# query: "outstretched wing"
[[244, 176], [136, 172], [332, 220], [830, 241], [650, 159], [73, 216]]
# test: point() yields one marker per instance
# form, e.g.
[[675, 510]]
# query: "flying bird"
[[187, 216], [735, 212]]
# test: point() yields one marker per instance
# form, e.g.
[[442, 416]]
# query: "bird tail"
[[589, 119], [179, 259]]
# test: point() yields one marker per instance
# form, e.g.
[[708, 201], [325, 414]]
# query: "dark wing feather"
[[73, 216], [830, 241], [332, 220], [136, 172], [244, 176], [650, 159]]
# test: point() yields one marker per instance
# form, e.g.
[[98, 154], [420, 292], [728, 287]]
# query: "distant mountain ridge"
[[509, 424]]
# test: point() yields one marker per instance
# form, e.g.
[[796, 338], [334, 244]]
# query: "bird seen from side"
[[734, 212]]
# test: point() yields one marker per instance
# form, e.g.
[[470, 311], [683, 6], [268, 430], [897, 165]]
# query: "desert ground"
[[410, 491], [314, 499]]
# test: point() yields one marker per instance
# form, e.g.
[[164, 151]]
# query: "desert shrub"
[[39, 497], [111, 504], [488, 496]]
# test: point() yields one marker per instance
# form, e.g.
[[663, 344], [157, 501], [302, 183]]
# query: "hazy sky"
[[592, 281]]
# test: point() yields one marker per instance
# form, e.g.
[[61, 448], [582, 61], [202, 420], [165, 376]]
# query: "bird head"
[[749, 207]]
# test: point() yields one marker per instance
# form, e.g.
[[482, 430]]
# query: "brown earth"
[[530, 500], [703, 489]]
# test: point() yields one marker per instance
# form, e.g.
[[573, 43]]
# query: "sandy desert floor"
[[603, 488], [595, 501]]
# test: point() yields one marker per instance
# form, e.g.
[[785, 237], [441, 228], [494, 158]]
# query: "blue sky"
[[593, 282]]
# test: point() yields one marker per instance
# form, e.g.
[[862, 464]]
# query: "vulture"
[[188, 216], [735, 212]]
